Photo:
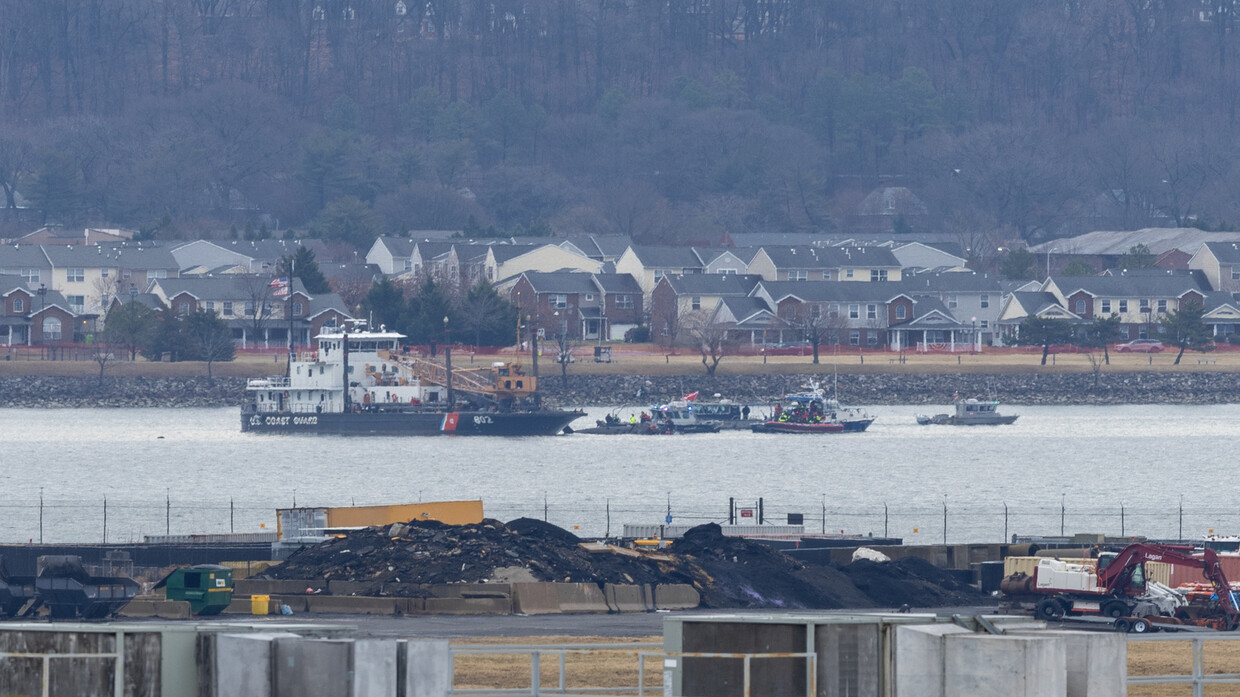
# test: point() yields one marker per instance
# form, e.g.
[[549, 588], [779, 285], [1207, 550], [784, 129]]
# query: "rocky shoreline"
[[1025, 388]]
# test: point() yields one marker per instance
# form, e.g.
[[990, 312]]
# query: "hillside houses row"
[[598, 288]]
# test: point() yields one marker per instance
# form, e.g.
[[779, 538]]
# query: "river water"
[[1112, 469]]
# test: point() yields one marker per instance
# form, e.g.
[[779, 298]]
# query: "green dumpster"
[[207, 587]]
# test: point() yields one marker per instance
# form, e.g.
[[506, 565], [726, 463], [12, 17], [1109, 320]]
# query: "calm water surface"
[[1092, 461]]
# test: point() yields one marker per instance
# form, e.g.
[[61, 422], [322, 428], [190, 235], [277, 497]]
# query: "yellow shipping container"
[[1154, 570], [295, 522]]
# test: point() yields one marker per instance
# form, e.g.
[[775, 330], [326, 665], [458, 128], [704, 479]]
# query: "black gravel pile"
[[431, 552], [728, 572], [909, 581]]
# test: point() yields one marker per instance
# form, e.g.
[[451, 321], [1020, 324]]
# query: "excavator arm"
[[1117, 576]]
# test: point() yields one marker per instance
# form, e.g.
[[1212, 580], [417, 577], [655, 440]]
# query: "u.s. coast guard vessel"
[[361, 382]]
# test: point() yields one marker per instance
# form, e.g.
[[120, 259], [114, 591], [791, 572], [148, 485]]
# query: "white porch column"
[[953, 341], [266, 338]]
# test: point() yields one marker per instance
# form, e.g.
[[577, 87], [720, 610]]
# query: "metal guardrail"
[[644, 653], [118, 674], [1199, 679]]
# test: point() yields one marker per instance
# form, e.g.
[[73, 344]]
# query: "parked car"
[[1140, 346]]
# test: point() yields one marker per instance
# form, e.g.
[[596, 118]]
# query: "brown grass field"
[[647, 360], [619, 668]]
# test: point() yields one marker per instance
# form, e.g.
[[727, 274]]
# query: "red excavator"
[[1117, 589]]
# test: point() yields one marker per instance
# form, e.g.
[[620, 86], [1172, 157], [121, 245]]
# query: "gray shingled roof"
[[712, 283], [1035, 302], [806, 257], [398, 247], [560, 282], [1225, 252], [833, 291], [617, 283], [952, 281], [15, 258], [220, 287], [746, 307], [1130, 285], [667, 257]]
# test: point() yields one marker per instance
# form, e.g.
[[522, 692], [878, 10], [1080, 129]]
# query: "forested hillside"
[[663, 119]]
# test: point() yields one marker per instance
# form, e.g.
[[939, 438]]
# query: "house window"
[[1145, 305], [798, 275], [559, 301], [1080, 307], [878, 274], [854, 312], [30, 275], [105, 272], [297, 309], [51, 329], [871, 338], [953, 301], [210, 306], [901, 312], [589, 297], [183, 307], [1123, 306], [871, 311], [103, 300], [848, 273], [658, 276], [19, 305], [267, 309], [76, 302], [985, 301], [826, 275], [985, 325], [854, 338], [157, 273], [1106, 307], [249, 308], [696, 302], [727, 272], [624, 302], [1235, 273], [815, 311], [1162, 307], [408, 264], [75, 275], [228, 308]]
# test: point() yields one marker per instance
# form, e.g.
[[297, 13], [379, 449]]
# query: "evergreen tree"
[[385, 304], [1186, 330], [307, 269]]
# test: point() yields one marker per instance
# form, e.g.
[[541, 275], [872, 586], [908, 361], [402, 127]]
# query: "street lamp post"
[[42, 304], [977, 339], [447, 358]]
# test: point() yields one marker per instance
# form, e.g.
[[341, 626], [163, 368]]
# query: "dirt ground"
[[618, 668], [648, 360]]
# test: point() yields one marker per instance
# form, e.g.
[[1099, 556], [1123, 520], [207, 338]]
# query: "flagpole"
[[289, 309]]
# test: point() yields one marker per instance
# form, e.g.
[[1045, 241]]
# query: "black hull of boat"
[[413, 423]]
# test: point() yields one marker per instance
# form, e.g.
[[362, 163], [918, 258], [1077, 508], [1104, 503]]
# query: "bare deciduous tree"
[[711, 337]]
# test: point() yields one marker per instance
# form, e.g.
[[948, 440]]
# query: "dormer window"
[[401, 9], [297, 309], [19, 305]]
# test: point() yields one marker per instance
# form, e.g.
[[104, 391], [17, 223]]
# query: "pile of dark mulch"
[[728, 572], [430, 552], [910, 581]]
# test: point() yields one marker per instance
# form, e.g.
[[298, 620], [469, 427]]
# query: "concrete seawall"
[[891, 388]]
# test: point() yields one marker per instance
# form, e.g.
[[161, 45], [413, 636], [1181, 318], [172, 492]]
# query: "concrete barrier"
[[350, 588], [427, 667], [920, 652], [262, 586], [311, 668], [1097, 662], [471, 590], [374, 668], [1011, 666], [296, 603], [243, 666], [580, 597], [628, 598], [411, 606], [535, 599], [676, 596], [351, 605], [469, 606], [166, 609]]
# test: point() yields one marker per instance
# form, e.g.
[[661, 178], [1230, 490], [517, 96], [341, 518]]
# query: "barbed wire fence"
[[129, 520]]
